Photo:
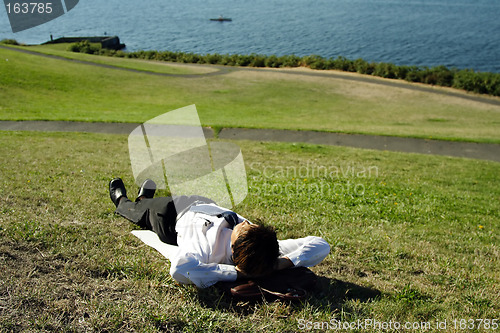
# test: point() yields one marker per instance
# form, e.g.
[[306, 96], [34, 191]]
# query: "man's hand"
[[241, 275], [283, 263]]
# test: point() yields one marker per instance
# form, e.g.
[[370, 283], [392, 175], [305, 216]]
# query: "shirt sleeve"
[[187, 269], [305, 252]]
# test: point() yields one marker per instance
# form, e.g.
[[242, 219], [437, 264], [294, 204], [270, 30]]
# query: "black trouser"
[[158, 214]]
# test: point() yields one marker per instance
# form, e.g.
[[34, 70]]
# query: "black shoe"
[[147, 190], [117, 190]]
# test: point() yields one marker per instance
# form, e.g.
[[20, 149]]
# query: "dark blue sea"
[[454, 33]]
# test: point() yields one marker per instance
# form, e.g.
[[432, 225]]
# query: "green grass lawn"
[[414, 239], [37, 88]]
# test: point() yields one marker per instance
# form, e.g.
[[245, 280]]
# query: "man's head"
[[255, 248]]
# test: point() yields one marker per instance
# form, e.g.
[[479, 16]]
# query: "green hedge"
[[85, 47], [9, 42], [466, 79]]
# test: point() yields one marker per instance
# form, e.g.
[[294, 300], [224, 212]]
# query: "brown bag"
[[288, 284]]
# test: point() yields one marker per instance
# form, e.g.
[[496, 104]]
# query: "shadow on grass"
[[328, 294], [334, 293]]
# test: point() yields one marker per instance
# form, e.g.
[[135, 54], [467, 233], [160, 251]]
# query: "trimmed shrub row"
[[466, 79], [9, 42]]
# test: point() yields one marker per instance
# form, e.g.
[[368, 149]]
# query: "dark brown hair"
[[256, 250]]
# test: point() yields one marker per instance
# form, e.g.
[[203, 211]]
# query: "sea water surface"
[[454, 33]]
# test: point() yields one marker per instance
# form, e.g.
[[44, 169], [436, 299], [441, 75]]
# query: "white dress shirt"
[[204, 250]]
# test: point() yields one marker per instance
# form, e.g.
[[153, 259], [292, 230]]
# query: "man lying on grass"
[[215, 244]]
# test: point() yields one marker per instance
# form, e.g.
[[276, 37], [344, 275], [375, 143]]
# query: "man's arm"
[[304, 252], [188, 269]]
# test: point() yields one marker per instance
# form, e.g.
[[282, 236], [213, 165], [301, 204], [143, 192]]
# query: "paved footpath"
[[484, 151]]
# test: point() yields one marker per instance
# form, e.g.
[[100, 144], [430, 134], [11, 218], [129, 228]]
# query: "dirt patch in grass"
[[37, 285], [40, 291]]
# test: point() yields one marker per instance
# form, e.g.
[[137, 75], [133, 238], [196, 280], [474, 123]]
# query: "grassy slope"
[[33, 87], [137, 64], [423, 231]]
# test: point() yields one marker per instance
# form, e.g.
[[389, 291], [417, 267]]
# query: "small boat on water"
[[221, 19]]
